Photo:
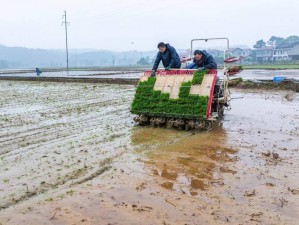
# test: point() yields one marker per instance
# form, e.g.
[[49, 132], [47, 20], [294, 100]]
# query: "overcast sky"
[[141, 24]]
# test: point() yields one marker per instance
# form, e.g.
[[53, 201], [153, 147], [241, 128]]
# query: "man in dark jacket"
[[169, 57], [202, 60]]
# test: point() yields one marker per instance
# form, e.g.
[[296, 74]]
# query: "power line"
[[66, 42]]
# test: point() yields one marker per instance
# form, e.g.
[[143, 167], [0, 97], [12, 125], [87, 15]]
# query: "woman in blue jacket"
[[202, 60]]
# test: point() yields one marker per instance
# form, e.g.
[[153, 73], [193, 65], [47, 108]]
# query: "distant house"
[[237, 52], [264, 54], [282, 52], [287, 51], [294, 52], [216, 53]]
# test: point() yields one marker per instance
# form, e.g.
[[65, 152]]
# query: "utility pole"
[[66, 44]]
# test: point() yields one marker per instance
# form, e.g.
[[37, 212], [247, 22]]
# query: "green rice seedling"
[[198, 77], [155, 103]]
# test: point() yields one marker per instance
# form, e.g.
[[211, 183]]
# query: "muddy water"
[[68, 74], [245, 171], [268, 74], [189, 165], [245, 74]]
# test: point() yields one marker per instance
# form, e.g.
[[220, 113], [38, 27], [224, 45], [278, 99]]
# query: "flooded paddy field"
[[253, 74], [70, 154], [74, 74]]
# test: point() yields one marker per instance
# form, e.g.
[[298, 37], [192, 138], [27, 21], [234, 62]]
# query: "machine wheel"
[[169, 123], [209, 125], [220, 111]]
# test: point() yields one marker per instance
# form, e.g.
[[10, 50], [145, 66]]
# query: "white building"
[[286, 51]]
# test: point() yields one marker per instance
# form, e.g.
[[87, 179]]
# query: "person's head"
[[162, 47], [197, 55]]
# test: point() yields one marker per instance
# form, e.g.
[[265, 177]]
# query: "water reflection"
[[268, 74], [184, 162]]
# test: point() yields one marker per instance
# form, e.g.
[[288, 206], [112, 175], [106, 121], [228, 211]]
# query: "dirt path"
[[69, 154]]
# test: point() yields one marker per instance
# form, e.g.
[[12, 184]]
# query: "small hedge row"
[[155, 103]]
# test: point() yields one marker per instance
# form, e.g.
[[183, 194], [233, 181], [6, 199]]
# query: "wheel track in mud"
[[68, 136], [62, 111], [63, 137], [62, 107], [41, 135], [23, 97], [48, 144], [46, 188]]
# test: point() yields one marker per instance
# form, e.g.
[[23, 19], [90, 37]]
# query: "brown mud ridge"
[[122, 70], [72, 80], [266, 85], [70, 154]]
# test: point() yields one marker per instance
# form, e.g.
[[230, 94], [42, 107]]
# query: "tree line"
[[276, 41]]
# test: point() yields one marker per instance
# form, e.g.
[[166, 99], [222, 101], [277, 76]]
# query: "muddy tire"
[[220, 111], [209, 125]]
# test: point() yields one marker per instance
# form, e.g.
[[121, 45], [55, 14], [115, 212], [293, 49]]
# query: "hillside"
[[20, 57]]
